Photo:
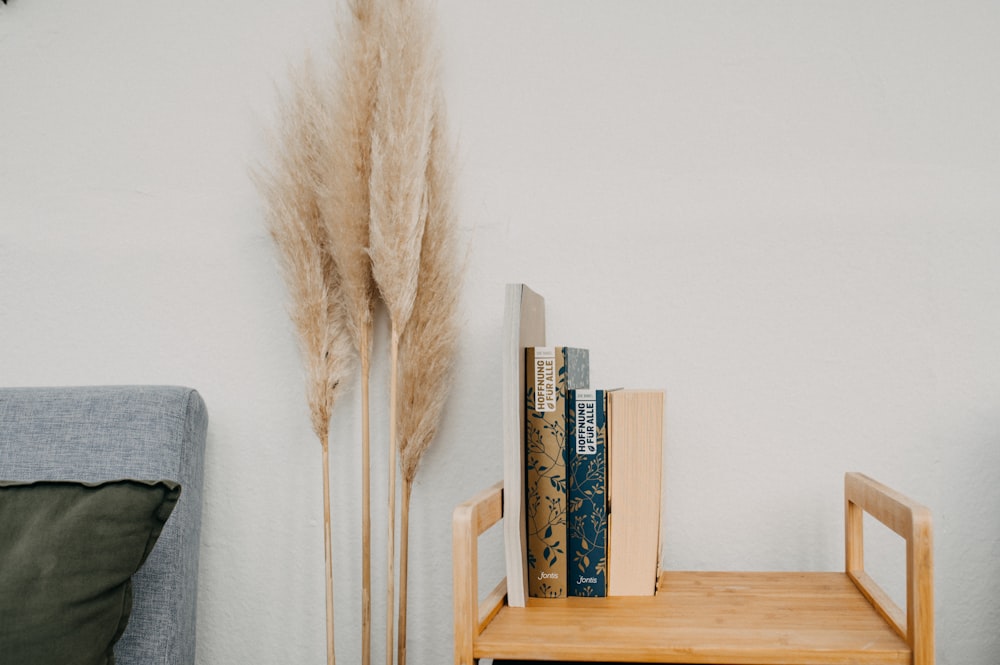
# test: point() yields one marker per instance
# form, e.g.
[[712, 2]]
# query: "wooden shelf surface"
[[736, 618], [728, 618]]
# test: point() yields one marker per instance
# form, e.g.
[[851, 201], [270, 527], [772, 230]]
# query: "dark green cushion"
[[67, 554]]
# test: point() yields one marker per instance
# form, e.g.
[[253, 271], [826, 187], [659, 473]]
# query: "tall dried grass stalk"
[[427, 348], [295, 223], [401, 133], [344, 200]]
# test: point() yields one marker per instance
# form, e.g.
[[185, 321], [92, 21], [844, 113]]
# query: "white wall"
[[786, 214]]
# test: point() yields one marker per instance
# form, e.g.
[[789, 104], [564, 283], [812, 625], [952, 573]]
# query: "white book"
[[524, 326]]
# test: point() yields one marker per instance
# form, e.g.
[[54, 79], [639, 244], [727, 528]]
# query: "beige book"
[[635, 461]]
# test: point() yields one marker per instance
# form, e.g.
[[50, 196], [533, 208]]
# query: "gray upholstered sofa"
[[99, 434]]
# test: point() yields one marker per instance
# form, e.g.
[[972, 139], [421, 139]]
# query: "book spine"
[[550, 373], [587, 521]]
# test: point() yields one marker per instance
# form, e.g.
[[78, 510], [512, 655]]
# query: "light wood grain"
[[912, 521], [704, 617], [734, 618], [471, 519]]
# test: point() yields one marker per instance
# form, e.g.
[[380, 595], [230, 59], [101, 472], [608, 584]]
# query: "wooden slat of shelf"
[[732, 618]]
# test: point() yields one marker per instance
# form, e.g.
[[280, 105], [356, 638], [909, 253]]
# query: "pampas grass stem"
[[401, 132], [391, 521], [294, 220], [346, 211], [427, 349]]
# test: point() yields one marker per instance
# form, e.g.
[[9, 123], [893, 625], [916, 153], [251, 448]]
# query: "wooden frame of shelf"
[[733, 618]]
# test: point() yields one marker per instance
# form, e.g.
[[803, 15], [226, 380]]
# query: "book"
[[635, 461], [524, 325], [550, 373], [587, 520]]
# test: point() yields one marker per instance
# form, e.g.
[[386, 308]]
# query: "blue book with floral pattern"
[[587, 521]]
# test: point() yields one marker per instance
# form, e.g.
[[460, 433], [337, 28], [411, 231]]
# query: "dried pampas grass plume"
[[295, 224], [359, 205], [347, 167], [428, 344], [344, 200], [427, 348], [294, 220], [401, 130]]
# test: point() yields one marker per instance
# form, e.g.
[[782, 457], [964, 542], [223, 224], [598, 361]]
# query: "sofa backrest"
[[101, 433]]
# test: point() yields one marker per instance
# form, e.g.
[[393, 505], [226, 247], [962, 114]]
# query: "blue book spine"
[[587, 520]]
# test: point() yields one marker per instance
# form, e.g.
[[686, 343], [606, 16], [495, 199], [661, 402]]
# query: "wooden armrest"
[[912, 521], [470, 520]]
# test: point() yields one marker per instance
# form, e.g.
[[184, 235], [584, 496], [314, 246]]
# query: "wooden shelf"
[[732, 618], [713, 617]]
